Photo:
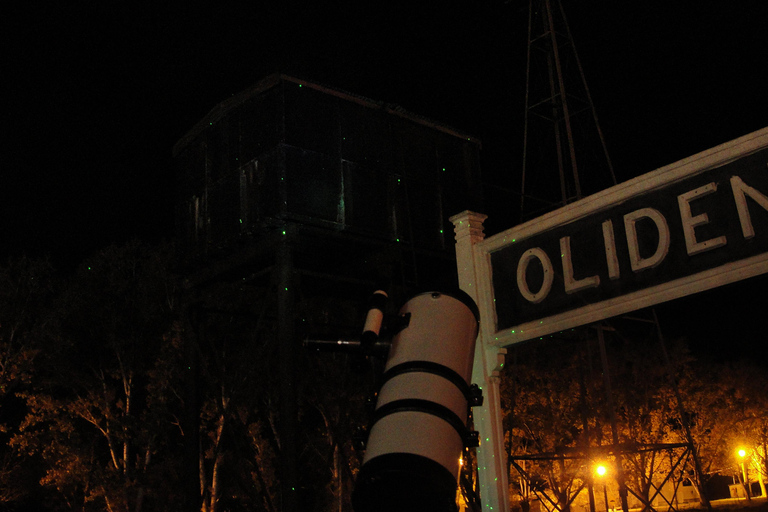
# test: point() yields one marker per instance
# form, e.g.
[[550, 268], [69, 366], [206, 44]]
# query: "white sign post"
[[690, 226], [488, 362]]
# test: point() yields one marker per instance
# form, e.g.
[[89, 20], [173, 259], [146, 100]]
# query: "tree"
[[334, 405], [755, 425], [26, 289], [645, 406], [711, 416], [557, 409], [744, 385], [239, 437], [544, 387], [94, 418]]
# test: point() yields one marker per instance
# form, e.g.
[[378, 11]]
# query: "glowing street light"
[[601, 471], [742, 453]]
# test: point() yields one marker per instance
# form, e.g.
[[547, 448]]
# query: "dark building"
[[367, 188], [296, 202]]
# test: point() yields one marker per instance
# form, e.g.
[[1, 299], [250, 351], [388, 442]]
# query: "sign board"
[[693, 225]]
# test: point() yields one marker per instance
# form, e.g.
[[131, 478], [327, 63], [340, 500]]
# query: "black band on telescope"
[[377, 301], [429, 367], [425, 406], [405, 482]]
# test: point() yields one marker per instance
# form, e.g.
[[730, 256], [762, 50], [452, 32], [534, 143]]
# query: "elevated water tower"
[[314, 195]]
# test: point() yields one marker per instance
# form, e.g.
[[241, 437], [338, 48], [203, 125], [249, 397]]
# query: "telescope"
[[419, 428]]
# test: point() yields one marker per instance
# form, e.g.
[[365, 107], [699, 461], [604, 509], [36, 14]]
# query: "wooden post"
[[474, 279]]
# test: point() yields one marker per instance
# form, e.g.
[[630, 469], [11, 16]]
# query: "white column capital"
[[469, 224]]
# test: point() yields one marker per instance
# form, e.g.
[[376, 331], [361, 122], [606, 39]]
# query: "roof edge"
[[225, 106]]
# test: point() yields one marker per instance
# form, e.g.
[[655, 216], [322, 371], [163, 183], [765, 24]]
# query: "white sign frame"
[[659, 179]]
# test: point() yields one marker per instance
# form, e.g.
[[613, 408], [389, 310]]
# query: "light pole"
[[601, 472], [742, 453]]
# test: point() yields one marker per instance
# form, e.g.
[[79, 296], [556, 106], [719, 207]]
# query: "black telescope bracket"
[[377, 334], [475, 399]]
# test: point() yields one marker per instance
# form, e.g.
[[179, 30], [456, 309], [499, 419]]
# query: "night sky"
[[95, 95]]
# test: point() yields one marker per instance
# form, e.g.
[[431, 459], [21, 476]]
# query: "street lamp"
[[742, 453], [601, 471]]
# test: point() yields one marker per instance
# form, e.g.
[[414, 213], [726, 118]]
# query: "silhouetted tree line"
[[120, 389]]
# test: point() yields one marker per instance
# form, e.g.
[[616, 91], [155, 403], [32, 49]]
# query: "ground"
[[759, 504]]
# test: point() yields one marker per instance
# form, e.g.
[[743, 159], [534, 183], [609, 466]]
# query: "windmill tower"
[[564, 160], [564, 152]]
